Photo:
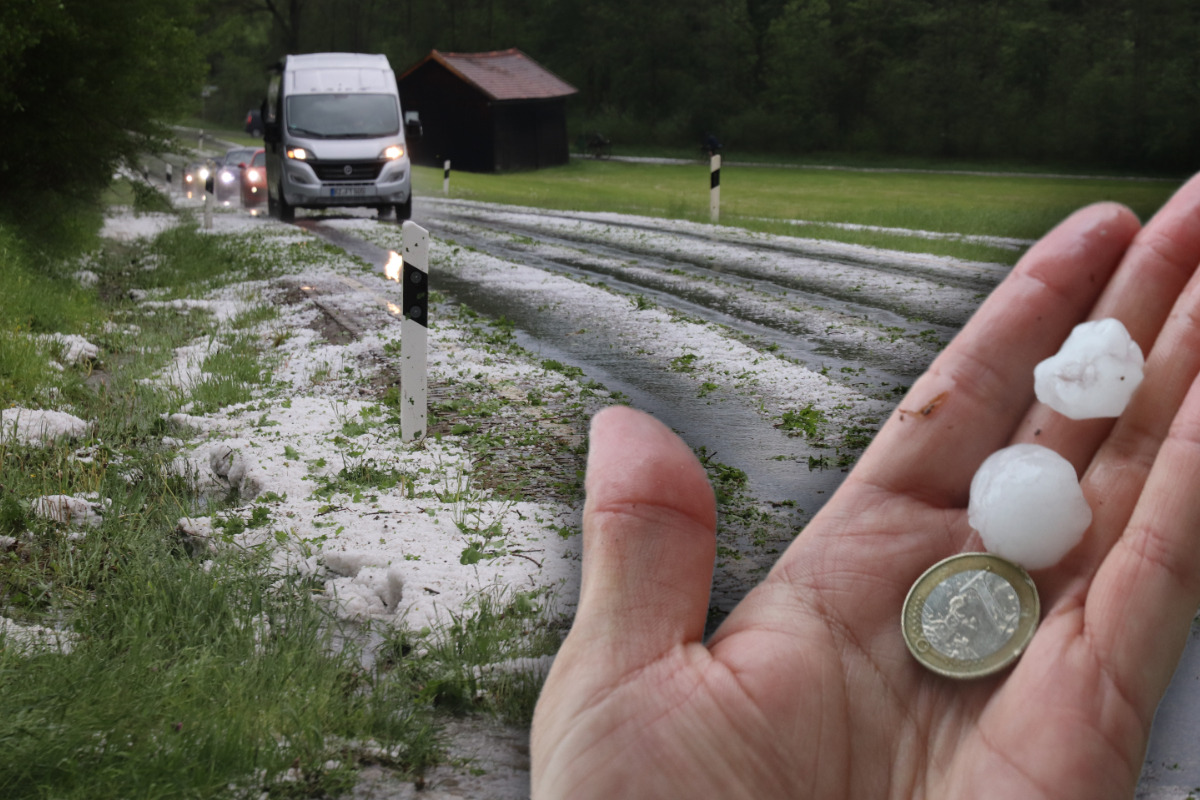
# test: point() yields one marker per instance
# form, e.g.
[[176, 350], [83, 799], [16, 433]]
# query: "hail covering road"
[[717, 331]]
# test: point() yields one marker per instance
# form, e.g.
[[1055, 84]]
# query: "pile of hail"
[[1026, 502]]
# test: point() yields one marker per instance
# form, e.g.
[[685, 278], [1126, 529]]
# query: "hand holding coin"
[[1027, 506], [807, 690]]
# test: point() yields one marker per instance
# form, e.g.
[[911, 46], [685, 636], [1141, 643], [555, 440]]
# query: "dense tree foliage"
[[1101, 81], [84, 85]]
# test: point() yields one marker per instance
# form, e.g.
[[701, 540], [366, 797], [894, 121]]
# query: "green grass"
[[802, 422], [231, 374], [186, 261], [768, 198], [141, 197], [39, 294], [182, 679], [180, 686], [494, 628]]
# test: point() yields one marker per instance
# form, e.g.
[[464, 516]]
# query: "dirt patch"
[[332, 329]]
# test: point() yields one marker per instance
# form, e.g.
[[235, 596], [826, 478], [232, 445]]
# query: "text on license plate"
[[348, 191]]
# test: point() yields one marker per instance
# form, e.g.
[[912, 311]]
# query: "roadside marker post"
[[714, 199], [446, 177], [209, 189], [414, 333]]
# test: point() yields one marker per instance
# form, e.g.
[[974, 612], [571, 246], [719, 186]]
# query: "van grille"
[[358, 170]]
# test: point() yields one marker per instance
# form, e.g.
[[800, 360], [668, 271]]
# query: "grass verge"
[[167, 671]]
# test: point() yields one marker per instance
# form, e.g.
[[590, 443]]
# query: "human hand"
[[807, 689]]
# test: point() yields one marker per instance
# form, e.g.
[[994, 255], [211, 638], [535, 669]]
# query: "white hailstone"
[[1027, 505], [1094, 373]]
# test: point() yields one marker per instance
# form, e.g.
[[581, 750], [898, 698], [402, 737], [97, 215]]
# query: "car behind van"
[[333, 136]]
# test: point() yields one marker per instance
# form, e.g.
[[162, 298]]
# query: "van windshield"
[[343, 116]]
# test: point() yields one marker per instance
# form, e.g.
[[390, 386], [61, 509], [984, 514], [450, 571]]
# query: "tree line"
[[1098, 82]]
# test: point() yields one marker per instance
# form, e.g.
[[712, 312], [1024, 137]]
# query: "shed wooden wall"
[[476, 134]]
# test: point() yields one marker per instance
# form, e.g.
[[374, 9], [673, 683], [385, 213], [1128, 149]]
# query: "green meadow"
[[774, 198]]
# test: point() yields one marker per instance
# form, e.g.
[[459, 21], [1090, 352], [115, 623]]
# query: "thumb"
[[649, 541]]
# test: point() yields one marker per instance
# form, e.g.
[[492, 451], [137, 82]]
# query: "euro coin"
[[970, 615]]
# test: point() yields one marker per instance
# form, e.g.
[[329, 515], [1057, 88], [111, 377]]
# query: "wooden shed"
[[487, 112]]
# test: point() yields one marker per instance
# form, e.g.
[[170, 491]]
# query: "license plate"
[[348, 191]]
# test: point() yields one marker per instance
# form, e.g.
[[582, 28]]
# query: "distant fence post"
[[414, 332], [714, 200], [446, 177]]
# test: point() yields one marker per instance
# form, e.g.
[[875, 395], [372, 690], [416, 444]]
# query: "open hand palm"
[[807, 689]]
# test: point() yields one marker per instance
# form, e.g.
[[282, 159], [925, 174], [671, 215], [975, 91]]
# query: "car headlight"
[[203, 173], [188, 177], [298, 153], [393, 152], [226, 177], [252, 175]]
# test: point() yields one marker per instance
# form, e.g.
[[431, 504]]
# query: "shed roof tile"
[[502, 74]]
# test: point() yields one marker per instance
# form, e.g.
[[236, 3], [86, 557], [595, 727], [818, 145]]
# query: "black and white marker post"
[[414, 333], [210, 187], [446, 177], [714, 199]]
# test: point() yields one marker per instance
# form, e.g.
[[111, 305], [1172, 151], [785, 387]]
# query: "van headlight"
[[392, 152], [298, 153]]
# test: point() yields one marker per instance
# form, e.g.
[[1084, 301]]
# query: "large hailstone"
[[1027, 505], [1094, 374]]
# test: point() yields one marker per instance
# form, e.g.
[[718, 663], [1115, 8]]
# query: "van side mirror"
[[412, 126]]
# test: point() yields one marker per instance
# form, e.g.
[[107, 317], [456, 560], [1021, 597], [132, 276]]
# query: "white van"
[[333, 136]]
